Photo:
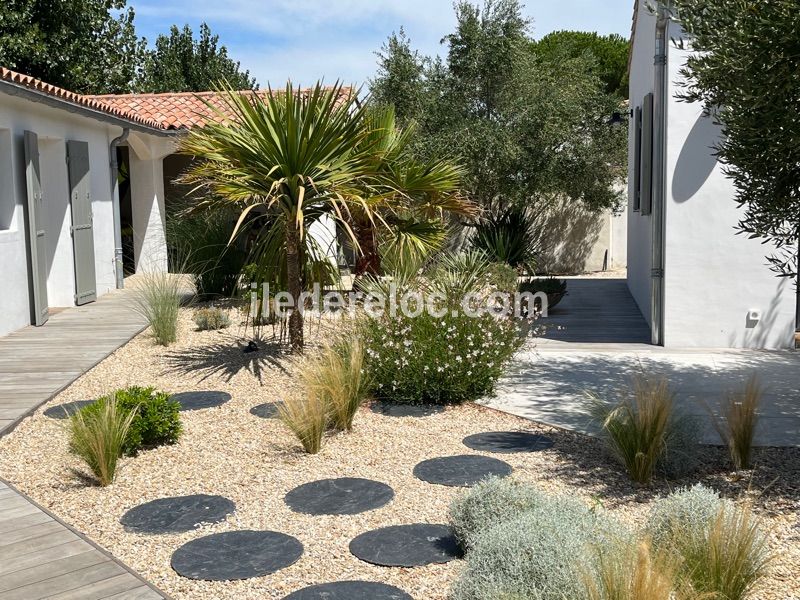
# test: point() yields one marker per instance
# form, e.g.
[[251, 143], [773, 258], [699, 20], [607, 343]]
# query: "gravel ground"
[[255, 462]]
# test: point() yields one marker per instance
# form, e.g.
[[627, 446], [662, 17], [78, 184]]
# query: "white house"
[[696, 281]]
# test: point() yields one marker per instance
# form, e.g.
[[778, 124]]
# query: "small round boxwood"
[[156, 423]]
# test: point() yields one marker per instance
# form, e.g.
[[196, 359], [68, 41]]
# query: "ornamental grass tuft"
[[737, 428]]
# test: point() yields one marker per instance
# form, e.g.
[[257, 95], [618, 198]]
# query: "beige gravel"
[[254, 462]]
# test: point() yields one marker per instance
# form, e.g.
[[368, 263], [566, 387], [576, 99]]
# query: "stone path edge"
[[93, 544]]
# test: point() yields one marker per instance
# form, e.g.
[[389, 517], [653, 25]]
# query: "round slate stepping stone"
[[350, 590], [390, 409], [200, 400], [268, 410], [343, 496], [463, 470], [507, 442], [175, 515], [236, 555], [413, 545], [66, 410]]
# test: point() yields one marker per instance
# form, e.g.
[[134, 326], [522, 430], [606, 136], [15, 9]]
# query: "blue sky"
[[306, 40]]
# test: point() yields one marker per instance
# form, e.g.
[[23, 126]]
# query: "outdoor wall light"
[[618, 120]]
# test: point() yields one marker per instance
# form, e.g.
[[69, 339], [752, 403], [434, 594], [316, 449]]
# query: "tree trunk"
[[293, 278], [368, 261]]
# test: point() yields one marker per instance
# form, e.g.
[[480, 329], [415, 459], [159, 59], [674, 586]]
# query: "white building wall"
[[149, 216], [713, 277], [642, 78], [54, 127]]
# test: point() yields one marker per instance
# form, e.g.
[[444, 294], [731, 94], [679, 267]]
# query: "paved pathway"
[[601, 348], [41, 557]]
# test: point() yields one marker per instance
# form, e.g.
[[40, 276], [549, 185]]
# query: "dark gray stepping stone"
[[464, 470], [236, 555], [268, 410], [413, 545], [507, 442], [66, 410], [343, 496], [390, 409], [200, 400], [175, 515], [350, 590]]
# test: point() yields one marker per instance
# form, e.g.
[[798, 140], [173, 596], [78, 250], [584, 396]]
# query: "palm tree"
[[302, 154]]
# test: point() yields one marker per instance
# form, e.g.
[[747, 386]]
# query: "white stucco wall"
[[639, 240], [54, 127], [713, 276], [149, 217]]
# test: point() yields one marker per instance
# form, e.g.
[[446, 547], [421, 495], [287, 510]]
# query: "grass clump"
[[211, 319], [489, 503], [720, 544], [645, 431], [158, 299], [737, 428], [337, 377], [98, 438], [156, 418], [307, 418]]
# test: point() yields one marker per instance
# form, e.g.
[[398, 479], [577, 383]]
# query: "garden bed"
[[255, 462]]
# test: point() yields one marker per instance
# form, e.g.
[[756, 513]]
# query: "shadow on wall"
[[697, 159], [570, 236]]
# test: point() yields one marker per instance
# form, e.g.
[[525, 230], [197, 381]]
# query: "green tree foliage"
[[181, 63], [529, 129], [608, 52], [745, 71], [75, 44]]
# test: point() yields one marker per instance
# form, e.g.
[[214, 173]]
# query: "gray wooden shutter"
[[82, 231], [646, 160], [637, 161], [37, 242]]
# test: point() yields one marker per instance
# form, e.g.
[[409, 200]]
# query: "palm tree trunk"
[[369, 260], [295, 287]]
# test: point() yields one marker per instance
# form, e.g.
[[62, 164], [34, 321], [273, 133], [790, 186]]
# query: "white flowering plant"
[[437, 359]]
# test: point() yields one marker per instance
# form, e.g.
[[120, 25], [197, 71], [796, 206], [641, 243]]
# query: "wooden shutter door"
[[82, 231], [647, 156], [37, 242]]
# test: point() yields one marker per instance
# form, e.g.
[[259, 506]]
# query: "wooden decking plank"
[[142, 592], [35, 544], [64, 583], [26, 521], [44, 571], [14, 513], [99, 590], [26, 561], [29, 532]]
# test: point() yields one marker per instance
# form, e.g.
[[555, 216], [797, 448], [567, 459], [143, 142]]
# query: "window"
[[646, 159], [7, 202]]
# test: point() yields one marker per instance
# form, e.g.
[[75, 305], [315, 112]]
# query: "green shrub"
[[502, 277], [158, 299], [210, 319], [489, 503], [644, 431], [156, 418], [337, 377], [98, 436], [509, 236], [721, 546], [538, 555], [439, 360]]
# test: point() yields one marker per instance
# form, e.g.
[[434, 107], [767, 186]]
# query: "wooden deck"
[[40, 556], [38, 362]]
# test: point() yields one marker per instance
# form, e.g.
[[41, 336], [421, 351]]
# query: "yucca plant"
[[338, 378], [157, 298], [307, 418], [301, 155], [98, 437], [643, 429], [510, 236], [737, 427]]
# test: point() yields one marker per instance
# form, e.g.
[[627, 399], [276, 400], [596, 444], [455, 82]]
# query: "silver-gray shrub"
[[489, 503], [544, 553], [684, 513]]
